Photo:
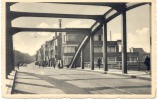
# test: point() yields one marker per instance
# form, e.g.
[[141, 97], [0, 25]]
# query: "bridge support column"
[[105, 63], [124, 43], [92, 52], [9, 54], [9, 43], [82, 59]]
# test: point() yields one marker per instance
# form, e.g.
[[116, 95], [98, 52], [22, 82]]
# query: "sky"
[[30, 42]]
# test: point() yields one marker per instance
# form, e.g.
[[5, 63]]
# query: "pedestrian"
[[99, 62], [147, 63], [59, 64], [18, 65]]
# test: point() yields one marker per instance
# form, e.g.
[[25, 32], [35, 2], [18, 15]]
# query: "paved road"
[[35, 80]]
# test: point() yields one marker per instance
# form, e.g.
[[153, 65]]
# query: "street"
[[35, 80]]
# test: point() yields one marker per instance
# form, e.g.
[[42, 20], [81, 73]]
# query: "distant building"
[[48, 52]]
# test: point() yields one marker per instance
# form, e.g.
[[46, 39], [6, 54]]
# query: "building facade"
[[51, 52]]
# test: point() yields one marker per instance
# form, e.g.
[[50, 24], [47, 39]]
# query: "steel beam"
[[124, 42], [128, 7], [105, 62], [82, 59], [18, 29], [92, 52], [55, 15], [105, 4], [9, 43]]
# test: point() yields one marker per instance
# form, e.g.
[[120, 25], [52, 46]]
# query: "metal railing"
[[131, 65]]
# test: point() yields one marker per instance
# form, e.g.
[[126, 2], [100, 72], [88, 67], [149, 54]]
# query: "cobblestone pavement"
[[35, 80]]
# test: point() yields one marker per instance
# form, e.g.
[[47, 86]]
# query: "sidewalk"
[[10, 82], [130, 73]]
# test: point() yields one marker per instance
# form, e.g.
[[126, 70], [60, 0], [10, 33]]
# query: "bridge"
[[101, 21]]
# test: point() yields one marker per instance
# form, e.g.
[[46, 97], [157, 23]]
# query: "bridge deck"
[[35, 80]]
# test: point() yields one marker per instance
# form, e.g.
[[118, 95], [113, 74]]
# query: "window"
[[52, 53], [69, 49], [111, 49], [98, 38], [97, 49], [71, 37]]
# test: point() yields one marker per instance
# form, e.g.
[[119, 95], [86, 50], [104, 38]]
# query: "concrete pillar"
[[92, 52], [105, 62], [124, 43], [82, 59]]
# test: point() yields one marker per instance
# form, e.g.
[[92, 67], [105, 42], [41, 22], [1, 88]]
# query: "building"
[[70, 43], [50, 52]]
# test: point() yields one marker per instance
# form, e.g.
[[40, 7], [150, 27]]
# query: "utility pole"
[[60, 43]]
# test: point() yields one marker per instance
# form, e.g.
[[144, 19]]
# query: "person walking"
[[99, 62], [18, 65], [59, 64], [147, 63]]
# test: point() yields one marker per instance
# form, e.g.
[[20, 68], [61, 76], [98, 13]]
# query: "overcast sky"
[[30, 42]]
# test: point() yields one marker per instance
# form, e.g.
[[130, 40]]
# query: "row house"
[[53, 51], [70, 43], [48, 53], [73, 39]]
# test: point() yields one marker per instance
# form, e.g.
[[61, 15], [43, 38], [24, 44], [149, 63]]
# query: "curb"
[[124, 75], [132, 76], [12, 82]]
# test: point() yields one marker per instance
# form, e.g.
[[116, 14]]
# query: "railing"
[[131, 65]]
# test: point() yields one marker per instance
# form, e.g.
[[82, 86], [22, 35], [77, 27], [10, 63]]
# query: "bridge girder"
[[55, 15], [18, 29]]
